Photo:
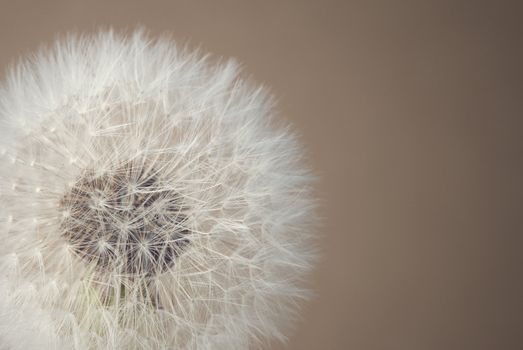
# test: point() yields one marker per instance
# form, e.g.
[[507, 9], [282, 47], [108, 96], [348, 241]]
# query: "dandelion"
[[148, 200]]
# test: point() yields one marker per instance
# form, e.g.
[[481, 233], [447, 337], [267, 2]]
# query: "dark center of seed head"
[[125, 221]]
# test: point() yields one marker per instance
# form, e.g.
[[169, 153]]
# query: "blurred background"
[[412, 116]]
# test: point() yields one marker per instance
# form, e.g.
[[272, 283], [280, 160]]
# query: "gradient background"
[[412, 113]]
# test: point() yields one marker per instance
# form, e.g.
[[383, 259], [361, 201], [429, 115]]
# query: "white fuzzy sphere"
[[148, 200]]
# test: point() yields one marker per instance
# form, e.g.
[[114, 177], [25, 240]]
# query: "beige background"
[[412, 115]]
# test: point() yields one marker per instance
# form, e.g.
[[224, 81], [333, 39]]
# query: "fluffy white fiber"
[[148, 200]]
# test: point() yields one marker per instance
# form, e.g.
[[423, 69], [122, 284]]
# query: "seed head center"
[[125, 220]]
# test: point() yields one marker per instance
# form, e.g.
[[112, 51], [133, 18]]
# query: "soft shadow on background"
[[412, 114]]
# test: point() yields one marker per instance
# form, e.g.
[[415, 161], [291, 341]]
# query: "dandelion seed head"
[[151, 199]]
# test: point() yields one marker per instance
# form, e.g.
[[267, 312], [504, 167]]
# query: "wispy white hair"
[[148, 200]]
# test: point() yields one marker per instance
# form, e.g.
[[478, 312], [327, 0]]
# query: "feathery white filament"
[[147, 201]]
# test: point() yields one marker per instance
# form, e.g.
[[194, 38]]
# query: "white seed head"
[[149, 201]]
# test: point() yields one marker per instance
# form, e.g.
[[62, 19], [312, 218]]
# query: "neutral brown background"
[[412, 113]]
